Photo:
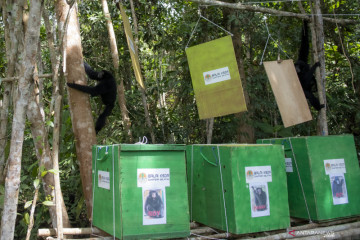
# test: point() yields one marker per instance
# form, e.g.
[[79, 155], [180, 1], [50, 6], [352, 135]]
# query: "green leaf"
[[49, 123], [53, 171], [27, 218], [27, 204], [36, 183], [43, 173], [48, 203]]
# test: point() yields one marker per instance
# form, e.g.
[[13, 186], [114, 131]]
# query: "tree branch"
[[250, 8]]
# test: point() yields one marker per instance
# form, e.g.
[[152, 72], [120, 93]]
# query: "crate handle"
[[103, 157], [283, 143], [214, 164]]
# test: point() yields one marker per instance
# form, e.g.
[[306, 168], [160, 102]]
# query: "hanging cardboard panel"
[[288, 92], [215, 77], [132, 47]]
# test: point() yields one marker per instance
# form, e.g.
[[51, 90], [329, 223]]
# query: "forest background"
[[162, 31]]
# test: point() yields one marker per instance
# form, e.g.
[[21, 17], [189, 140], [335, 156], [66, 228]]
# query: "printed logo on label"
[[334, 166], [249, 174], [153, 177], [258, 174], [217, 75], [103, 179], [142, 177], [328, 166]]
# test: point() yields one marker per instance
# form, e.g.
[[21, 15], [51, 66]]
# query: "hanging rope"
[[202, 17], [301, 185], [218, 160], [269, 36]]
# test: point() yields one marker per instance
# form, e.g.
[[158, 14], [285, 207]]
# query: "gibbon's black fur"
[[305, 73], [106, 88]]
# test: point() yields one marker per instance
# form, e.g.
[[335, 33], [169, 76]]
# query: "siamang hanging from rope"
[[305, 73], [106, 88]]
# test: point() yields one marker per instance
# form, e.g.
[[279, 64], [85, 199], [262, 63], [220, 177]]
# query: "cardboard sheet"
[[288, 92]]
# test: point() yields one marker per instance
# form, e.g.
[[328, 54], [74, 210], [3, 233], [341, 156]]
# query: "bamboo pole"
[[45, 232]]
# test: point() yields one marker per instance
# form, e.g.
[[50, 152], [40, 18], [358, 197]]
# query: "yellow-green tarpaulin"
[[215, 77], [133, 52]]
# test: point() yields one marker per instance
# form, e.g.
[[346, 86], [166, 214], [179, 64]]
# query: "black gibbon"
[[106, 88], [305, 73]]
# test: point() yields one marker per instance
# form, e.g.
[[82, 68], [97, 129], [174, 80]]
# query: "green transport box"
[[323, 176], [238, 188], [140, 191]]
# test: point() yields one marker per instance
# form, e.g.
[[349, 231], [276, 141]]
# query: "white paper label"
[[153, 177], [259, 199], [218, 75], [154, 206], [338, 189], [104, 180], [258, 174], [334, 166], [288, 165]]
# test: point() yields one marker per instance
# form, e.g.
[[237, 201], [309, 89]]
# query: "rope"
[[201, 16], [143, 141], [214, 164], [222, 187], [269, 36], [93, 194], [302, 188], [113, 177], [192, 176], [93, 197]]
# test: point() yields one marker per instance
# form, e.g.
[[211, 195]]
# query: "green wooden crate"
[[323, 177], [238, 188], [140, 191]]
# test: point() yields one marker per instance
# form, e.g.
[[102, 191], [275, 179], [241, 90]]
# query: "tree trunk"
[[12, 183], [245, 132], [209, 129], [43, 153], [115, 58], [54, 57], [319, 55], [80, 109], [13, 26]]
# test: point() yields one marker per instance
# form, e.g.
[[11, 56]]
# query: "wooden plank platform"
[[348, 228]]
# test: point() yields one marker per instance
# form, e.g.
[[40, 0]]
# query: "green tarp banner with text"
[[215, 77]]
